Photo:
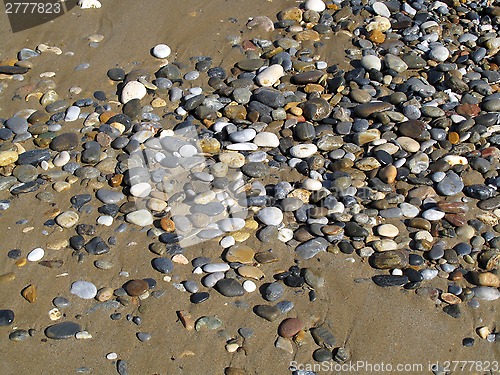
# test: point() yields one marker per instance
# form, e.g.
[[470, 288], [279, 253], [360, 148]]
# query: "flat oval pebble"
[[270, 216], [161, 51], [61, 331], [290, 327], [83, 289], [36, 254], [141, 218]]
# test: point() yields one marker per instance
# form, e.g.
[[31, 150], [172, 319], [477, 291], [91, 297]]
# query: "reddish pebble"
[[290, 327], [136, 288], [471, 110]]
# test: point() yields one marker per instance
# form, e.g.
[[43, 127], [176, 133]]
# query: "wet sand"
[[377, 325]]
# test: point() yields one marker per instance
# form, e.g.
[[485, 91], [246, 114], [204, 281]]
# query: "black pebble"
[[468, 342], [14, 254], [199, 297]]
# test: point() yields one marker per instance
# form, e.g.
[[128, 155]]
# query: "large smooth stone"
[[270, 216], [64, 330], [83, 289]]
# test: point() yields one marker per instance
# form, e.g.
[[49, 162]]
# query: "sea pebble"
[[161, 51], [315, 5], [36, 254], [270, 75], [141, 218], [270, 216], [83, 289], [133, 90]]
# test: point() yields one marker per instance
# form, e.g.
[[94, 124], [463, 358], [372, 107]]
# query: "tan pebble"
[[179, 258], [250, 272], [301, 194], [29, 293], [483, 332], [388, 174], [158, 103], [209, 145], [239, 253], [55, 314], [21, 262], [8, 157], [28, 229], [450, 298], [7, 277], [58, 244], [266, 257], [231, 348], [251, 224], [240, 236], [284, 344], [104, 294], [488, 279], [61, 186], [186, 319]]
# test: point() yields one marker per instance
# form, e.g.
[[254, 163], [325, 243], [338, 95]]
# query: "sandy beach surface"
[[379, 326]]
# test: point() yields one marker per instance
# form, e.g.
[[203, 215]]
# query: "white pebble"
[[439, 53], [140, 190], [381, 9], [266, 139], [161, 51], [285, 234], [67, 219], [249, 286], [61, 159], [371, 62], [270, 216], [231, 224], [36, 254], [72, 113], [105, 220], [111, 356], [188, 151], [133, 90], [227, 242], [141, 218], [270, 75], [89, 4], [312, 184], [316, 5], [303, 151], [83, 335]]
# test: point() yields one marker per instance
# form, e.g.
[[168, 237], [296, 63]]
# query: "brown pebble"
[[388, 174], [116, 180], [136, 287], [290, 327], [186, 319], [167, 224], [456, 275], [7, 277], [29, 293], [454, 138], [376, 36]]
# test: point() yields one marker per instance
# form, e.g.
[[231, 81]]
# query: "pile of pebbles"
[[394, 161]]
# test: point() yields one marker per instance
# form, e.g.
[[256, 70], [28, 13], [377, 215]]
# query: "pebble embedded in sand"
[[161, 51]]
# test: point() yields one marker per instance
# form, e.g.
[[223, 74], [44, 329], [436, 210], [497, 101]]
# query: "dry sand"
[[377, 325]]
